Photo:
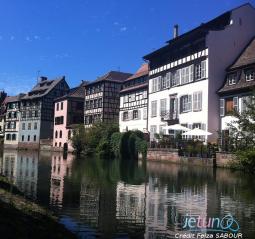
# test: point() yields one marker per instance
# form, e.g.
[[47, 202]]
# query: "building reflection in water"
[[22, 169], [114, 198], [61, 166]]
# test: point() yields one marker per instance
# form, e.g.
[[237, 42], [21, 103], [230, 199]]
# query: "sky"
[[84, 39]]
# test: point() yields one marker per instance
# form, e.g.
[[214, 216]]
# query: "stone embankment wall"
[[172, 156]]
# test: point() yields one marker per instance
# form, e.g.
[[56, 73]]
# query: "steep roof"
[[15, 98], [115, 76], [216, 24], [77, 92], [42, 88], [247, 56], [142, 71]]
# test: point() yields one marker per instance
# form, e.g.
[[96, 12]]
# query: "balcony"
[[170, 117]]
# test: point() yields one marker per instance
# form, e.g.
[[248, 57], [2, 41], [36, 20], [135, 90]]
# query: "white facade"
[[133, 111], [221, 49]]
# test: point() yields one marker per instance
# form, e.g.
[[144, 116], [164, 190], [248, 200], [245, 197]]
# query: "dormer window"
[[232, 79], [249, 75]]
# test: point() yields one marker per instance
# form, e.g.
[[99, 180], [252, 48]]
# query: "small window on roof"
[[231, 79], [249, 75]]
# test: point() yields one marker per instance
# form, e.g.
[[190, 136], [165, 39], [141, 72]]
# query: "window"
[[162, 130], [60, 144], [57, 106], [34, 138], [186, 103], [36, 113], [200, 70], [95, 103], [28, 138], [125, 99], [249, 75], [135, 114], [60, 134], [100, 103], [231, 79], [35, 125], [222, 107], [22, 138], [62, 105], [56, 144], [56, 134], [162, 107], [229, 105], [153, 131], [23, 126], [69, 134], [197, 101], [175, 78], [154, 108], [125, 116], [59, 120], [13, 136], [187, 74], [156, 84], [8, 137], [29, 126]]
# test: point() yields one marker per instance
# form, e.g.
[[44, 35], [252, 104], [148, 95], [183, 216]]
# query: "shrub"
[[79, 139], [115, 143], [245, 159]]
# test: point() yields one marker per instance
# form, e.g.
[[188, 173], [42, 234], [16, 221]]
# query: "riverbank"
[[23, 219]]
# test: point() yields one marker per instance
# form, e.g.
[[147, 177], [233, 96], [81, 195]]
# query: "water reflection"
[[120, 199]]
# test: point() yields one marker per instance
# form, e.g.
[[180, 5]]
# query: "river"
[[130, 199]]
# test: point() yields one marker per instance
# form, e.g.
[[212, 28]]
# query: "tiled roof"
[[116, 76], [247, 57], [142, 71], [77, 92], [216, 24], [15, 98], [135, 87], [42, 88]]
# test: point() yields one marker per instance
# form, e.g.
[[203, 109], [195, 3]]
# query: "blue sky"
[[83, 39]]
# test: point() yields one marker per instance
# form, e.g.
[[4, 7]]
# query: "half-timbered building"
[[186, 74], [12, 121], [69, 112], [37, 111], [238, 89], [102, 98], [133, 101]]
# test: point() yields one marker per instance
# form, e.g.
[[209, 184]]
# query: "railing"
[[171, 117]]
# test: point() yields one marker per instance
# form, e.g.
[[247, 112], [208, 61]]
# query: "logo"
[[212, 224]]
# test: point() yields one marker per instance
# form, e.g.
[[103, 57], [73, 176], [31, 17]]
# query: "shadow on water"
[[129, 199]]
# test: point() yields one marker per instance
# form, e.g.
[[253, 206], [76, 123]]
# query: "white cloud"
[[12, 38], [123, 29], [36, 37], [28, 38], [116, 23]]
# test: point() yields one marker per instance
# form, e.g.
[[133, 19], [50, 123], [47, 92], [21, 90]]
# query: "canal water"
[[129, 199]]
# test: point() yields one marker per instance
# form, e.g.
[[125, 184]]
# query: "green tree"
[[242, 136], [79, 139]]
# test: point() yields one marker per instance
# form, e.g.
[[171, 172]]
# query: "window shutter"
[[130, 115], [203, 69], [222, 107], [191, 73], [235, 103], [168, 79], [139, 114], [190, 102]]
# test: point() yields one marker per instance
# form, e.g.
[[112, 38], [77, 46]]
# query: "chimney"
[[176, 30], [42, 78]]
